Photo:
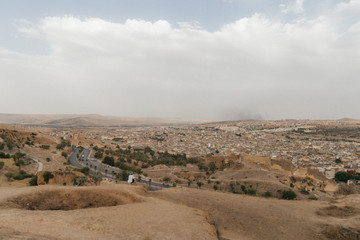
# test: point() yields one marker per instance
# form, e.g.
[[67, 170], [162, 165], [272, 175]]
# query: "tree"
[[109, 161], [64, 154], [47, 176], [342, 177], [98, 154], [33, 181]]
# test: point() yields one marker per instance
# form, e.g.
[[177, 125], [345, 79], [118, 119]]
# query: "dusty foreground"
[[130, 212]]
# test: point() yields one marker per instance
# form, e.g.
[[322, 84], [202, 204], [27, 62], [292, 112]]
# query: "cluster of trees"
[[4, 155], [344, 176], [20, 176], [63, 144], [126, 158]]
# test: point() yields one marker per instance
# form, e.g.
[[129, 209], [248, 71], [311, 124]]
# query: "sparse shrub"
[[166, 179], [174, 185], [291, 185], [313, 198], [251, 191], [85, 170], [47, 176], [64, 154], [98, 154], [9, 175], [48, 159], [304, 191], [45, 147], [124, 175], [243, 188], [199, 184], [268, 194], [215, 187], [289, 195], [1, 165]]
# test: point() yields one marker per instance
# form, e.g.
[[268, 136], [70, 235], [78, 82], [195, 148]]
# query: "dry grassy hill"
[[88, 120], [121, 211]]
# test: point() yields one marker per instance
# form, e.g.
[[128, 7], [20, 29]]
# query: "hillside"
[[121, 211]]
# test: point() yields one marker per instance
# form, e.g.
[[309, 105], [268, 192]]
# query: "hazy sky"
[[209, 59]]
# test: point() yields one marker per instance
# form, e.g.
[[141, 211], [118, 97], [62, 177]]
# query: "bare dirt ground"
[[136, 216], [121, 211], [246, 217]]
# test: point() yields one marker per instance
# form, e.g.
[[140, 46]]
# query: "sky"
[[199, 59]]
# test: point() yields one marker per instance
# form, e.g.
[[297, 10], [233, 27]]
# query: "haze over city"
[[218, 59]]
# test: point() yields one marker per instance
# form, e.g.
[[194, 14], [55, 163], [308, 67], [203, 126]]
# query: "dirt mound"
[[341, 233], [341, 212], [70, 199]]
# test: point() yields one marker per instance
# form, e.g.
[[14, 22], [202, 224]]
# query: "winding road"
[[106, 170]]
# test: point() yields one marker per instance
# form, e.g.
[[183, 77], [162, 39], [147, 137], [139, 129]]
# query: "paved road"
[[106, 170], [72, 159], [40, 167]]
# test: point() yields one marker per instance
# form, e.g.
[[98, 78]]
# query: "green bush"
[[64, 154], [251, 191], [47, 176], [215, 187], [98, 154], [289, 195], [124, 175], [268, 194], [342, 177], [33, 181], [313, 198], [109, 161], [85, 170], [243, 188], [3, 155], [304, 191]]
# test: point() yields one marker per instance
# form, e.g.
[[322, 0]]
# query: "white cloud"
[[295, 7], [256, 65]]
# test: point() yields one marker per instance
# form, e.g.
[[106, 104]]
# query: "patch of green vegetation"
[[47, 176], [289, 195], [267, 194], [63, 144]]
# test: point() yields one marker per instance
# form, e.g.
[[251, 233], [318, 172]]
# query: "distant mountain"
[[89, 120], [350, 120]]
